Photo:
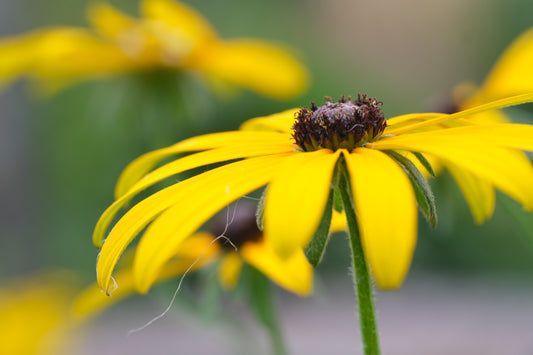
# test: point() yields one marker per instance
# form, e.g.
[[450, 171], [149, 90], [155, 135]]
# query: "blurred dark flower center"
[[238, 225]]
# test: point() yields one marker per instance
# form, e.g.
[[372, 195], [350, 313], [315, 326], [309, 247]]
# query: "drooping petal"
[[294, 273], [235, 151], [295, 199], [180, 17], [443, 119], [479, 193], [142, 165], [507, 169], [230, 270], [386, 212], [193, 202], [256, 65], [198, 251], [279, 122]]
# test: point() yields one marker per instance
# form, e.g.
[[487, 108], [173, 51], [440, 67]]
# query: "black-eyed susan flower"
[[295, 155], [308, 157], [169, 35]]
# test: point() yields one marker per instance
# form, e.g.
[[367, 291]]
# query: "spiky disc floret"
[[344, 124]]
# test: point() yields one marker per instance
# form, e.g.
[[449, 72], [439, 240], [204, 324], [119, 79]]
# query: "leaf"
[[423, 193], [425, 163], [259, 211], [316, 248]]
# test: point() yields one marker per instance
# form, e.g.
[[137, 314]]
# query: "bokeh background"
[[470, 289]]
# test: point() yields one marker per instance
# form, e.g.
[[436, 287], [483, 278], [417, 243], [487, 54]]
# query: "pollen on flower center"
[[239, 226], [344, 124]]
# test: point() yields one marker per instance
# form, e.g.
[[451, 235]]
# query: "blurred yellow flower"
[[296, 153], [34, 315], [169, 35]]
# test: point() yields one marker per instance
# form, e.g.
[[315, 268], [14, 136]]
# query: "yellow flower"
[[35, 316], [295, 153], [169, 35]]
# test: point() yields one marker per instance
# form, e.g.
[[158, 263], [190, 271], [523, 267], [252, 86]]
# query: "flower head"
[[169, 35], [386, 187]]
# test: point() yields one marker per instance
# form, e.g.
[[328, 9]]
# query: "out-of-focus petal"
[[513, 73], [109, 21], [479, 194], [230, 270], [34, 314], [179, 16], [280, 122], [386, 211], [256, 65], [293, 273]]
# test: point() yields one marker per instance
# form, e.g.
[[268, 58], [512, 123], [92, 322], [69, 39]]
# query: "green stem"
[[362, 281], [265, 309]]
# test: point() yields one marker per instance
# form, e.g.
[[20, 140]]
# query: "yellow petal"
[[479, 194], [109, 21], [518, 136], [279, 122], [386, 211], [198, 251], [294, 273], [16, 58], [509, 170], [409, 119], [193, 202], [34, 315], [235, 151], [140, 166], [230, 270], [59, 54], [512, 74], [259, 66], [296, 198], [179, 16], [338, 222], [443, 119]]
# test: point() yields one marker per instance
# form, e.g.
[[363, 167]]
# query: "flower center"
[[344, 124], [239, 226]]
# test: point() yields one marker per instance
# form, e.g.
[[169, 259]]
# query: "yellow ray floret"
[[300, 182]]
